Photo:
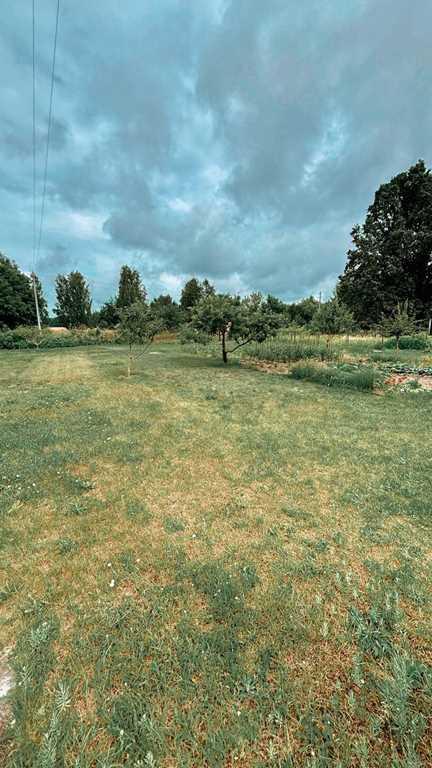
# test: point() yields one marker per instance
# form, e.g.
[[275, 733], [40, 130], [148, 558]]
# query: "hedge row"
[[47, 340]]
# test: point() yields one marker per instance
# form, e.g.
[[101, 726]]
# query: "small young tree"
[[234, 320], [400, 323], [138, 329]]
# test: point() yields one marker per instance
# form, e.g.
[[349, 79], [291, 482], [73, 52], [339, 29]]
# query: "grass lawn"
[[209, 566]]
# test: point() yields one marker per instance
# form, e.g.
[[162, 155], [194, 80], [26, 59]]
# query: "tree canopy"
[[234, 320], [332, 317], [130, 288], [167, 310], [73, 306], [390, 260], [17, 305], [191, 294]]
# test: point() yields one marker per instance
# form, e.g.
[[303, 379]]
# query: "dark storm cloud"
[[239, 140]]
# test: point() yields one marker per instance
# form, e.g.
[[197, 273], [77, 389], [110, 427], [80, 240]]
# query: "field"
[[211, 566]]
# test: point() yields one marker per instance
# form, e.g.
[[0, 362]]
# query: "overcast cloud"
[[236, 140]]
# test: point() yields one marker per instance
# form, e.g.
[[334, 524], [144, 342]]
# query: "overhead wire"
[[50, 112]]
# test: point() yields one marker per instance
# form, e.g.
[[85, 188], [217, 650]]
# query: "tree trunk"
[[224, 352]]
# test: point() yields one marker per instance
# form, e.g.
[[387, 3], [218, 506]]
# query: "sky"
[[238, 140]]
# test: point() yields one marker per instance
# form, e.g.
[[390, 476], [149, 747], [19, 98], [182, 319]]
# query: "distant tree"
[[191, 294], [73, 306], [168, 312], [130, 288], [332, 317], [390, 260], [207, 289], [138, 328], [277, 306], [109, 314], [399, 323], [234, 320], [17, 305], [302, 312]]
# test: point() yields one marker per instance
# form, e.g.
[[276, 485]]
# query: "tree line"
[[387, 277]]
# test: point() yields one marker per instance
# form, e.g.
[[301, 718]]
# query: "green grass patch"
[[206, 565]]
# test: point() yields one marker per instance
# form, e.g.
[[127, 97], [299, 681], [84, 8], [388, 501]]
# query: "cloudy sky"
[[234, 139]]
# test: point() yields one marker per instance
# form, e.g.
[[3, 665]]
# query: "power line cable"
[[45, 177], [34, 134], [33, 276]]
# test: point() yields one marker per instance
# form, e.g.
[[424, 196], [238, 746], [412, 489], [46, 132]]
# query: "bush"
[[362, 378], [189, 335], [408, 342], [284, 351], [27, 337]]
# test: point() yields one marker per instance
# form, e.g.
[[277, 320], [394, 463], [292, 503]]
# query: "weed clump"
[[362, 378]]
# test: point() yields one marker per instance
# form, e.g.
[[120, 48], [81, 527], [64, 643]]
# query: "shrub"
[[189, 335], [408, 342], [363, 378], [30, 338]]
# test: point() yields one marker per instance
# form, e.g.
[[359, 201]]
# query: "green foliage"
[[73, 306], [191, 294], [17, 305], [26, 337], [167, 311], [362, 378], [283, 350], [399, 323], [332, 317], [138, 328], [390, 258], [108, 315], [189, 335], [233, 319], [130, 290], [302, 312], [375, 628], [408, 342]]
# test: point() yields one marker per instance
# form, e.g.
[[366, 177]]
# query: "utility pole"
[[36, 301]]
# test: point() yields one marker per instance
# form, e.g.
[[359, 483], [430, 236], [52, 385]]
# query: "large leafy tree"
[[167, 310], [301, 312], [191, 294], [130, 288], [17, 304], [235, 321], [73, 306], [391, 257]]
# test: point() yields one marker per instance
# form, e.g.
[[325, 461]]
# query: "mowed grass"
[[209, 566]]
